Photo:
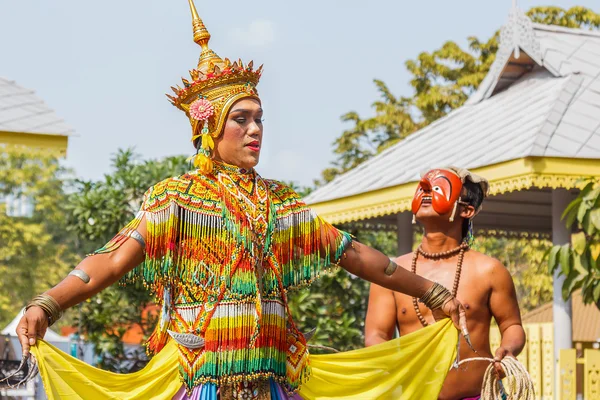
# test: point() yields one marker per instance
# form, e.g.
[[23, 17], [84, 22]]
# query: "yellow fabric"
[[410, 367], [66, 377]]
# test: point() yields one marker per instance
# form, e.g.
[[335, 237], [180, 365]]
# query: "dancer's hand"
[[32, 326], [499, 356], [454, 310]]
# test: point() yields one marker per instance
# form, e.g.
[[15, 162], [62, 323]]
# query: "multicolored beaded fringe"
[[230, 239]]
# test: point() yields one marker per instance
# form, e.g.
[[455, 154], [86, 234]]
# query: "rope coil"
[[519, 385]]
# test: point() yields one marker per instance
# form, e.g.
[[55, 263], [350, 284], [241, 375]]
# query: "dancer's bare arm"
[[380, 323], [103, 270], [505, 309], [370, 264]]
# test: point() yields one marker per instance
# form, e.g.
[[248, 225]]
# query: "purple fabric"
[[203, 392], [209, 392], [181, 395], [280, 394], [472, 398]]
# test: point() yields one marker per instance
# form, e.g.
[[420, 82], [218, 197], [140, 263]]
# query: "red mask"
[[443, 187]]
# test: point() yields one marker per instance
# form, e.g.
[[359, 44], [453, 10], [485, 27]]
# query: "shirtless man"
[[445, 203]]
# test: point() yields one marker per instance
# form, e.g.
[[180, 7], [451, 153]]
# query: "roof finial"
[[515, 14], [202, 37]]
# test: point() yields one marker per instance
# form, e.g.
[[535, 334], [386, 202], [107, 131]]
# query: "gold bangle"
[[48, 305], [439, 298], [436, 296]]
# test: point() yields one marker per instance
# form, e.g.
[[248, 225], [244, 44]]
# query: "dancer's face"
[[438, 189], [241, 140]]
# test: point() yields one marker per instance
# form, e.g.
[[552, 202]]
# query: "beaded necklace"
[[464, 246]]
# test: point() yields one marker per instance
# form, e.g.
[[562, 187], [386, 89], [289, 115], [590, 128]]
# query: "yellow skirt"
[[411, 367]]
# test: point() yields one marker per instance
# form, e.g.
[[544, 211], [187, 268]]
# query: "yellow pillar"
[[534, 342], [548, 361], [591, 371], [567, 368]]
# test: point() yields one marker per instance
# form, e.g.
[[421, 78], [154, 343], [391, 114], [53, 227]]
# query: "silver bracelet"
[[135, 235], [391, 268], [81, 275]]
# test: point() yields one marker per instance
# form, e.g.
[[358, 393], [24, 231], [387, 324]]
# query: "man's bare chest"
[[472, 290]]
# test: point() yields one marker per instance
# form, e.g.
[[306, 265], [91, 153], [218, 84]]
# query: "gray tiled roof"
[[22, 111], [554, 110]]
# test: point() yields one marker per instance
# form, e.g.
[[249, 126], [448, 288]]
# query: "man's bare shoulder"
[[404, 261], [485, 264]]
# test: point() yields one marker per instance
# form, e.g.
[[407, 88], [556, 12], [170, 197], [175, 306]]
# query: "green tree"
[[574, 17], [579, 261], [98, 210], [35, 250]]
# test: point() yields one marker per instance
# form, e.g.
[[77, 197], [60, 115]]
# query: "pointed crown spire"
[[202, 37], [215, 85]]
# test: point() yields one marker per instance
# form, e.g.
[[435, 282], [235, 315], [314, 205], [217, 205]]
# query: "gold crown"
[[215, 85]]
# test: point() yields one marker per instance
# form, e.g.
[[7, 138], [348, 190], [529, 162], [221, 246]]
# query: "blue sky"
[[105, 66]]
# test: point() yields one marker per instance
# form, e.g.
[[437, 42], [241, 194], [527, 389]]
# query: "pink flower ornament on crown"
[[215, 85], [201, 110]]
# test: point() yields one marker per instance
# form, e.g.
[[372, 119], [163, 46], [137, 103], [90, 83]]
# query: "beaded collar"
[[229, 169], [243, 178]]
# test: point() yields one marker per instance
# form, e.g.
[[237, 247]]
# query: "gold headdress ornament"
[[215, 85]]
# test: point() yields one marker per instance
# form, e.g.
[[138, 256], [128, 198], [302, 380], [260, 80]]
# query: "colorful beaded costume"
[[222, 251]]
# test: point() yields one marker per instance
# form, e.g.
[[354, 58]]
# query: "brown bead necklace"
[[464, 246]]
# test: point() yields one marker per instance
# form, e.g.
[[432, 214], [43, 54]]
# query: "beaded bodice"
[[222, 251]]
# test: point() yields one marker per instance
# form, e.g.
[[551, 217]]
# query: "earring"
[[470, 235], [454, 210], [414, 220]]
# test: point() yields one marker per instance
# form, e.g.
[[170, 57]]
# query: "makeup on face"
[[241, 141]]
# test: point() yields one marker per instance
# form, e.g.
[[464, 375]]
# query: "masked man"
[[445, 203]]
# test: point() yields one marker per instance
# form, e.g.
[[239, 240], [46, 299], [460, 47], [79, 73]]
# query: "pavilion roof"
[[22, 111], [542, 105]]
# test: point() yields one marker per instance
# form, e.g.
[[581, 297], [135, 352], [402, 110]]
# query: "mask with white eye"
[[438, 190]]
